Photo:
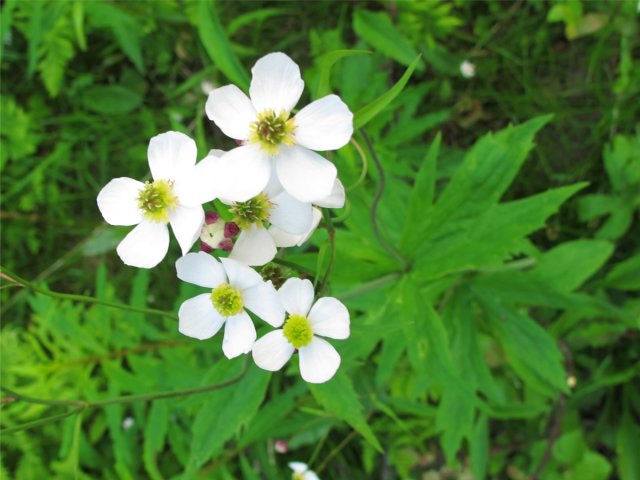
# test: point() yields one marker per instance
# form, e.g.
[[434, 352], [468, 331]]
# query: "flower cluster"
[[272, 186]]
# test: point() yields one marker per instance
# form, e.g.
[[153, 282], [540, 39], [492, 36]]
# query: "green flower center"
[[254, 211], [297, 330], [271, 130], [227, 300], [156, 200], [297, 476]]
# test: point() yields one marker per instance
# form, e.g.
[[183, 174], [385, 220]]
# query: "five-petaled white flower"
[[301, 471], [328, 317], [234, 288], [273, 140], [175, 196]]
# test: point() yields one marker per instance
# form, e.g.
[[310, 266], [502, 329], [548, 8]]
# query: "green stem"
[[372, 285], [365, 166], [81, 404], [331, 231], [295, 266], [388, 247], [81, 298]]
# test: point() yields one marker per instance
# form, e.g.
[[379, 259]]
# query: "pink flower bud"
[[281, 446]]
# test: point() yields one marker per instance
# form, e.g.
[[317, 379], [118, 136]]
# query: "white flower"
[[467, 69], [285, 239], [273, 140], [234, 288], [328, 317], [175, 196], [301, 472]]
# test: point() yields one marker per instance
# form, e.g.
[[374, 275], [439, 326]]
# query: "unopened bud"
[[281, 446]]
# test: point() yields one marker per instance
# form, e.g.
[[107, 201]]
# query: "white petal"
[[290, 214], [242, 173], [275, 83], [198, 318], [231, 110], [170, 154], [304, 174], [263, 300], [240, 276], [319, 361], [198, 185], [272, 351], [284, 239], [298, 467], [310, 475], [329, 318], [296, 296], [186, 223], [145, 246], [335, 199], [200, 269], [254, 247], [239, 335], [326, 124], [118, 201]]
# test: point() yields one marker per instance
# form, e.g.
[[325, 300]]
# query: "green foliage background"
[[488, 251]]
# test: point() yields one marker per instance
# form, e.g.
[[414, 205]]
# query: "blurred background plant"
[[490, 339]]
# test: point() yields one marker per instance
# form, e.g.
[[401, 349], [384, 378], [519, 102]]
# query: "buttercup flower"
[[328, 317], [301, 471], [175, 196], [234, 289], [271, 138]]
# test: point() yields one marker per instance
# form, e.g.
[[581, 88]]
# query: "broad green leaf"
[[325, 64], [625, 275], [376, 29], [592, 466], [222, 413], [422, 193], [455, 420], [155, 430], [488, 169], [252, 18], [339, 398], [627, 447], [217, 45], [368, 112], [531, 352], [111, 99], [569, 448], [479, 448], [466, 244]]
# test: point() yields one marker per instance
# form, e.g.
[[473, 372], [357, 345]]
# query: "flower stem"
[[7, 274], [81, 404], [331, 231]]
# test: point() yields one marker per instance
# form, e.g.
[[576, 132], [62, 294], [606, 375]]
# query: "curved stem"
[[8, 274], [331, 231], [81, 404], [365, 166], [389, 248]]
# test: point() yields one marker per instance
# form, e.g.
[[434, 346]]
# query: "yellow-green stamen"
[[252, 212], [271, 130], [227, 300], [156, 200], [297, 330]]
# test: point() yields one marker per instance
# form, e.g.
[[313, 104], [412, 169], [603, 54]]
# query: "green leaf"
[[223, 413], [592, 466], [627, 447], [568, 266], [376, 29], [325, 64], [111, 99], [369, 111], [217, 45], [569, 448], [339, 398], [530, 350], [479, 448], [155, 431], [493, 235], [625, 275], [422, 194]]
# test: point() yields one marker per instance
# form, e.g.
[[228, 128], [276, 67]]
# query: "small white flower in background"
[[467, 69], [281, 446], [128, 422], [175, 196], [301, 472], [234, 289], [272, 140], [328, 317]]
